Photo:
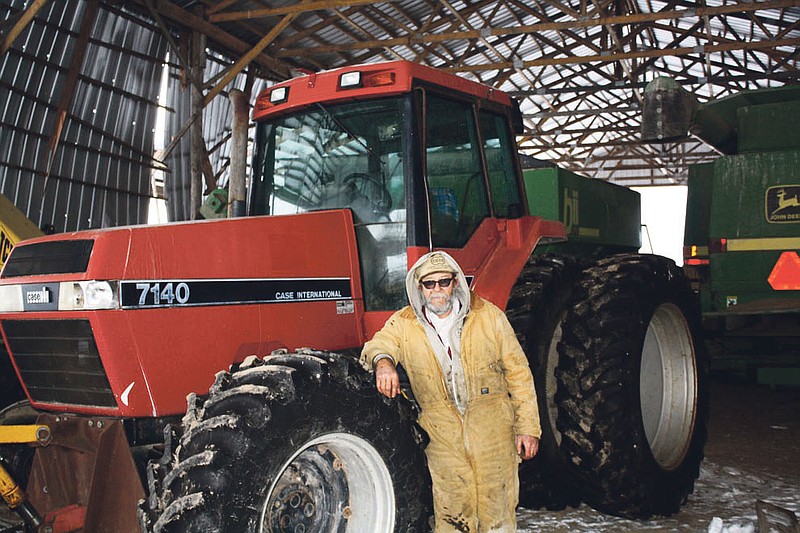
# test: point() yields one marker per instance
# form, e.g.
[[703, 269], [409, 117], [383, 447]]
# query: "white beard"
[[443, 305]]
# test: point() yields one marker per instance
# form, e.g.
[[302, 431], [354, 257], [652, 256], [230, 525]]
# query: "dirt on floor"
[[755, 428]]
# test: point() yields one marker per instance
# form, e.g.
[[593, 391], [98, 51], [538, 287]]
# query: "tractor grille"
[[59, 361], [54, 257]]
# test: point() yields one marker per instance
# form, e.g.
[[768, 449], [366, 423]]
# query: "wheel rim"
[[337, 482], [668, 386]]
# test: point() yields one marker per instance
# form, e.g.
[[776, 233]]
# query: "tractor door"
[[471, 175]]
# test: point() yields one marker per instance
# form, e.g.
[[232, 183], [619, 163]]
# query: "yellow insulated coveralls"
[[472, 453]]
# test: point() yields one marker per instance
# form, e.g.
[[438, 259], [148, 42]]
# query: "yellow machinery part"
[[14, 227], [27, 434], [9, 490]]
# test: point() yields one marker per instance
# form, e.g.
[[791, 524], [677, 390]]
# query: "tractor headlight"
[[63, 296], [350, 80], [279, 95], [89, 295]]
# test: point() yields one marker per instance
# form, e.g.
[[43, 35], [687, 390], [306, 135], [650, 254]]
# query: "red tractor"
[[357, 172]]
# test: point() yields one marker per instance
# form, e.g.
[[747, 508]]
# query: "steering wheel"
[[372, 189]]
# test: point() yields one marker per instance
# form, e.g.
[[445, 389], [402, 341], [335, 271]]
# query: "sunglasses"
[[443, 283]]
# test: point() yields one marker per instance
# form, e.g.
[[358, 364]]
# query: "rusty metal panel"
[[88, 463]]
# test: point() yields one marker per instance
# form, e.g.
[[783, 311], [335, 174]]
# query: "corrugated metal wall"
[[100, 173]]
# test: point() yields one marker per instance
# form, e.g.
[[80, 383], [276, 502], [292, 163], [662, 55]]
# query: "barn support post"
[[238, 173], [198, 62]]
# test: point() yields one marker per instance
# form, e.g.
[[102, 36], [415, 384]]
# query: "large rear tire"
[[632, 391], [536, 309], [296, 442]]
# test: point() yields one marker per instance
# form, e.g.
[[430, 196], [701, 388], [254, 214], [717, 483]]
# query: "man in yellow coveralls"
[[475, 389]]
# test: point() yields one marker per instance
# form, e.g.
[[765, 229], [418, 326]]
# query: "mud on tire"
[[632, 387], [536, 308], [294, 442]]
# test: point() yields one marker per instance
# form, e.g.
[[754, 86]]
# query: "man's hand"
[[527, 446], [386, 378]]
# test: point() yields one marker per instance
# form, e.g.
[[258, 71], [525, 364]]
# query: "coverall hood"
[[423, 267]]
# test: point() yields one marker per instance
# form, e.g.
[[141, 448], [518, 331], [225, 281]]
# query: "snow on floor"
[[724, 501]]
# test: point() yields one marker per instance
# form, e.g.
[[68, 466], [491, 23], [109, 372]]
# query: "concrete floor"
[[756, 428]]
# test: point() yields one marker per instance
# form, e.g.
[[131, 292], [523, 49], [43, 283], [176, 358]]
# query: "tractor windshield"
[[342, 156]]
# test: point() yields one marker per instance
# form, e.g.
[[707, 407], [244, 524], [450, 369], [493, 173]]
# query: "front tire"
[[296, 442], [632, 395]]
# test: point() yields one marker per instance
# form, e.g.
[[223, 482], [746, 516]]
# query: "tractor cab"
[[421, 163]]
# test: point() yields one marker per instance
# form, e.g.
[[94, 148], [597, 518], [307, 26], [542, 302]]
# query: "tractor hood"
[[125, 321]]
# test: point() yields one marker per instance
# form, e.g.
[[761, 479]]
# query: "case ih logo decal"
[[783, 204], [41, 297], [169, 293]]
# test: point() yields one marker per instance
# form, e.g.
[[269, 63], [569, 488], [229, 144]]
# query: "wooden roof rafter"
[[578, 67]]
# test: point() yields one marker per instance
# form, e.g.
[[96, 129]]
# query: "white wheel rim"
[[668, 386], [370, 503]]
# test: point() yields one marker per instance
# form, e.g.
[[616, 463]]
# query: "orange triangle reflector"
[[785, 275]]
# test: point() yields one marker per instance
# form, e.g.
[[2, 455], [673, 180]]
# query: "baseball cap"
[[435, 262]]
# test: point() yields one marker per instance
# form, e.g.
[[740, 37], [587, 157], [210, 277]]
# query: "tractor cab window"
[[342, 156], [456, 189], [499, 150]]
